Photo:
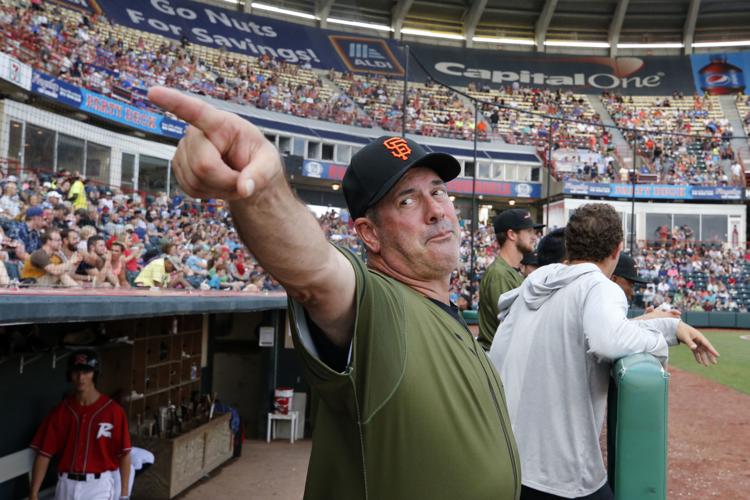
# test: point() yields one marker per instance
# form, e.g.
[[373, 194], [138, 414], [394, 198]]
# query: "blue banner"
[[653, 191], [720, 74], [106, 107], [333, 171], [256, 36], [86, 6]]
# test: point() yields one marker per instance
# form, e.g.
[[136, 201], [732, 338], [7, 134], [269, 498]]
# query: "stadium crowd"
[[122, 63], [694, 276], [62, 230], [701, 155], [91, 53]]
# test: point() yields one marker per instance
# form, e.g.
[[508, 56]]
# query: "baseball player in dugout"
[[409, 405], [88, 433], [515, 232]]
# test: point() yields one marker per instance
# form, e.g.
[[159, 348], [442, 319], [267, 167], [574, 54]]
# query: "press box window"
[[327, 152]]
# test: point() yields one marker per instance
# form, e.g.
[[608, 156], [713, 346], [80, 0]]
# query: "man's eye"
[[407, 201], [440, 192]]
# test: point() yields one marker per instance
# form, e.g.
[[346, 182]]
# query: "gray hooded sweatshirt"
[[562, 330]]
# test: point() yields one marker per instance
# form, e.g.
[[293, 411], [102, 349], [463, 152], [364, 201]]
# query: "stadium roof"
[[677, 22]]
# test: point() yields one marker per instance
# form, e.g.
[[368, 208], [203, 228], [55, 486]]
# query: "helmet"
[[85, 359]]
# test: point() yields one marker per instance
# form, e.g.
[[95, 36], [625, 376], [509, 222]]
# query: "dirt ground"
[[709, 451], [709, 439]]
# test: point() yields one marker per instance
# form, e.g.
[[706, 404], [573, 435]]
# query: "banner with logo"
[[256, 36], [653, 191], [323, 170], [720, 74], [582, 74], [334, 171], [235, 31], [105, 107], [14, 71]]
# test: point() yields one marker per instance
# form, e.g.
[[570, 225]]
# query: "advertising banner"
[[255, 36], [581, 74], [105, 107], [720, 74], [15, 72], [653, 191], [333, 171]]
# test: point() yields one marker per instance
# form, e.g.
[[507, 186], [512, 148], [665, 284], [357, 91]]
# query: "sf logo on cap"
[[81, 359], [398, 147]]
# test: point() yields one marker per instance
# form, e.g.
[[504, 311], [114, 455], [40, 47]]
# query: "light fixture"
[[335, 187], [452, 198], [512, 202], [432, 34], [279, 10], [662, 45], [480, 197], [359, 24], [730, 43], [577, 43], [505, 41]]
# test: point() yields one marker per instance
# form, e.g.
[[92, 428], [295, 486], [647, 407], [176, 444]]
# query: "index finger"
[[703, 340], [191, 109]]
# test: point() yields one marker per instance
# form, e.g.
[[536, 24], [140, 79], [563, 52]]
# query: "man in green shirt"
[[515, 233], [409, 406]]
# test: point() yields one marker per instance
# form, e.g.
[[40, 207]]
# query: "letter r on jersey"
[[105, 430]]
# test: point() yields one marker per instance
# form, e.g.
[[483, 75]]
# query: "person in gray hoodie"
[[563, 328]]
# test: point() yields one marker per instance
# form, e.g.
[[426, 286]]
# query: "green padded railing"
[[637, 428]]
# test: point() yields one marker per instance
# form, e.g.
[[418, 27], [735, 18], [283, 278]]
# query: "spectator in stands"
[[45, 266], [157, 273], [97, 264], [28, 233], [10, 202], [7, 246], [59, 216], [117, 264], [77, 193]]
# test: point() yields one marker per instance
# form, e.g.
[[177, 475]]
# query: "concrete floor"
[[273, 470]]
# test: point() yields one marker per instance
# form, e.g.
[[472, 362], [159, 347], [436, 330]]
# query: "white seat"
[[292, 416]]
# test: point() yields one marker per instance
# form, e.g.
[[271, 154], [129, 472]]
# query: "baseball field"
[[709, 430], [733, 369]]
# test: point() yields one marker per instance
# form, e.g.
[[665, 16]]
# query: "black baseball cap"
[[551, 248], [530, 259], [85, 359], [627, 269], [515, 219], [377, 167]]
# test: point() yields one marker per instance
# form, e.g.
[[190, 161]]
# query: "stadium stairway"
[[335, 89], [740, 145], [469, 104], [618, 140]]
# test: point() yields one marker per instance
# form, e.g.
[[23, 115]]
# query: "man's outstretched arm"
[[225, 156]]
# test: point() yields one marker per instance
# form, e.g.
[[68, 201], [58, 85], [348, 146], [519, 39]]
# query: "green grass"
[[733, 368]]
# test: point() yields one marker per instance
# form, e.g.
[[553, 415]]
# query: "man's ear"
[[618, 249], [368, 233]]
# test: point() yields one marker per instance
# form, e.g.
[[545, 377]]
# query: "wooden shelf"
[[164, 363], [175, 386]]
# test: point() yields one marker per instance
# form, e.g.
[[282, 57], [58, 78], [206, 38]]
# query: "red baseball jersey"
[[89, 438]]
